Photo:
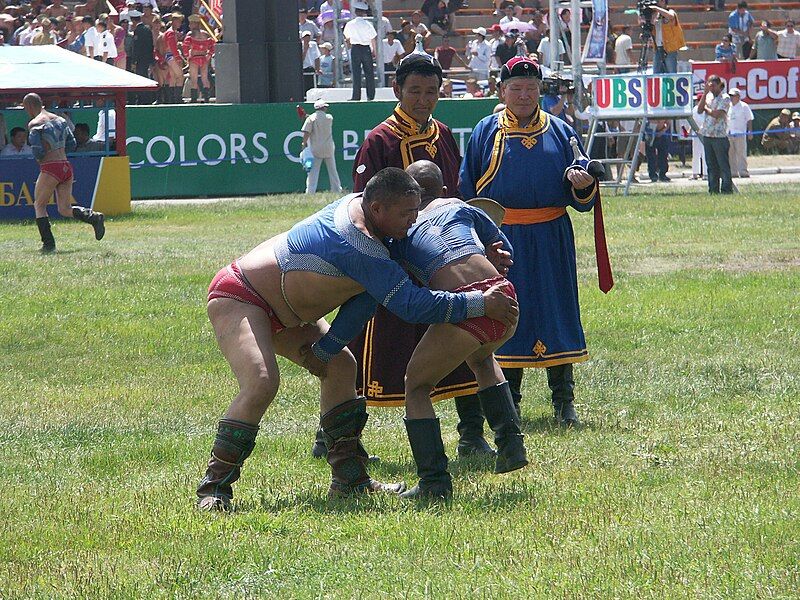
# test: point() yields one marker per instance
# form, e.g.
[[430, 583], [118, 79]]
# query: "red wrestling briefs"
[[485, 329], [230, 283], [60, 170]]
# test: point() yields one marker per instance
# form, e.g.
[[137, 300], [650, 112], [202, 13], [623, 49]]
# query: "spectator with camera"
[[667, 33], [557, 97]]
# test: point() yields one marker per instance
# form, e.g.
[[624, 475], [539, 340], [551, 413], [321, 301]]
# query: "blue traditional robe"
[[522, 168]]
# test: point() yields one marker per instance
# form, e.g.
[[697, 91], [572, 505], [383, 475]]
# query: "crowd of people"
[[159, 39]]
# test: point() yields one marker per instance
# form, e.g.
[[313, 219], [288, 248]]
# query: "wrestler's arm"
[[387, 283], [36, 143], [489, 233], [353, 315]]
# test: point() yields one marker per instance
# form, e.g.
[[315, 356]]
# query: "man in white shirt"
[[479, 54], [361, 36], [788, 41], [311, 56], [18, 148], [90, 39], [318, 137], [740, 131], [622, 47], [392, 53], [106, 49], [544, 51]]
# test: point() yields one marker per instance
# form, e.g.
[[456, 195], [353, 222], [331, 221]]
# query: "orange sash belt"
[[529, 216]]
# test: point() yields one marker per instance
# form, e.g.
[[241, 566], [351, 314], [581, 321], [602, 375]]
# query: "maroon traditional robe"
[[385, 346]]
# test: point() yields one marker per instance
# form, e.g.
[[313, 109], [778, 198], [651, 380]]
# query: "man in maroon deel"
[[384, 347]]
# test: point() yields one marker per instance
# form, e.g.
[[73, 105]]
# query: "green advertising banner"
[[224, 150]]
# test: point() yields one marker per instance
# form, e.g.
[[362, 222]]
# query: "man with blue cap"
[[533, 165]]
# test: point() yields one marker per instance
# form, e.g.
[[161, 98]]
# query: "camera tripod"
[[646, 36]]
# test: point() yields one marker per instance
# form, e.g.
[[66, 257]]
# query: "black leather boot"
[[470, 428], [96, 219], [193, 95], [320, 450], [503, 419], [514, 379], [234, 442], [560, 380], [425, 437], [48, 241], [341, 428]]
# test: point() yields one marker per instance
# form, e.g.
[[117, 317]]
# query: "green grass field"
[[683, 482]]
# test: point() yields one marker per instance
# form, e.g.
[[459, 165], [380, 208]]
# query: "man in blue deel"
[[523, 158]]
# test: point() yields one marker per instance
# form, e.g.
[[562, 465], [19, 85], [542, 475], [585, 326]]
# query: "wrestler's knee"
[[258, 390], [342, 367]]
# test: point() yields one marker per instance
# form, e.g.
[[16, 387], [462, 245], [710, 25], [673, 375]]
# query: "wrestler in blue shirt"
[[329, 243]]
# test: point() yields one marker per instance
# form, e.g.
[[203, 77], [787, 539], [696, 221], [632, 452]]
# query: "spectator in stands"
[[725, 52], [531, 39], [508, 14], [778, 136], [564, 26], [446, 91], [84, 140], [508, 49], [622, 49], [740, 131], [361, 36], [406, 36], [106, 50], [668, 38], [45, 35], [494, 40], [446, 53], [18, 148], [392, 53], [714, 103], [306, 25], [120, 33], [142, 57], [796, 124], [544, 51], [56, 9], [438, 17], [479, 54], [788, 41], [765, 46], [310, 60], [326, 65], [473, 89], [419, 28], [740, 24], [492, 87], [92, 39]]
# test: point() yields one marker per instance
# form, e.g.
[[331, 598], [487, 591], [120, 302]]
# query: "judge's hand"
[[311, 363], [500, 307], [501, 259], [579, 178]]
